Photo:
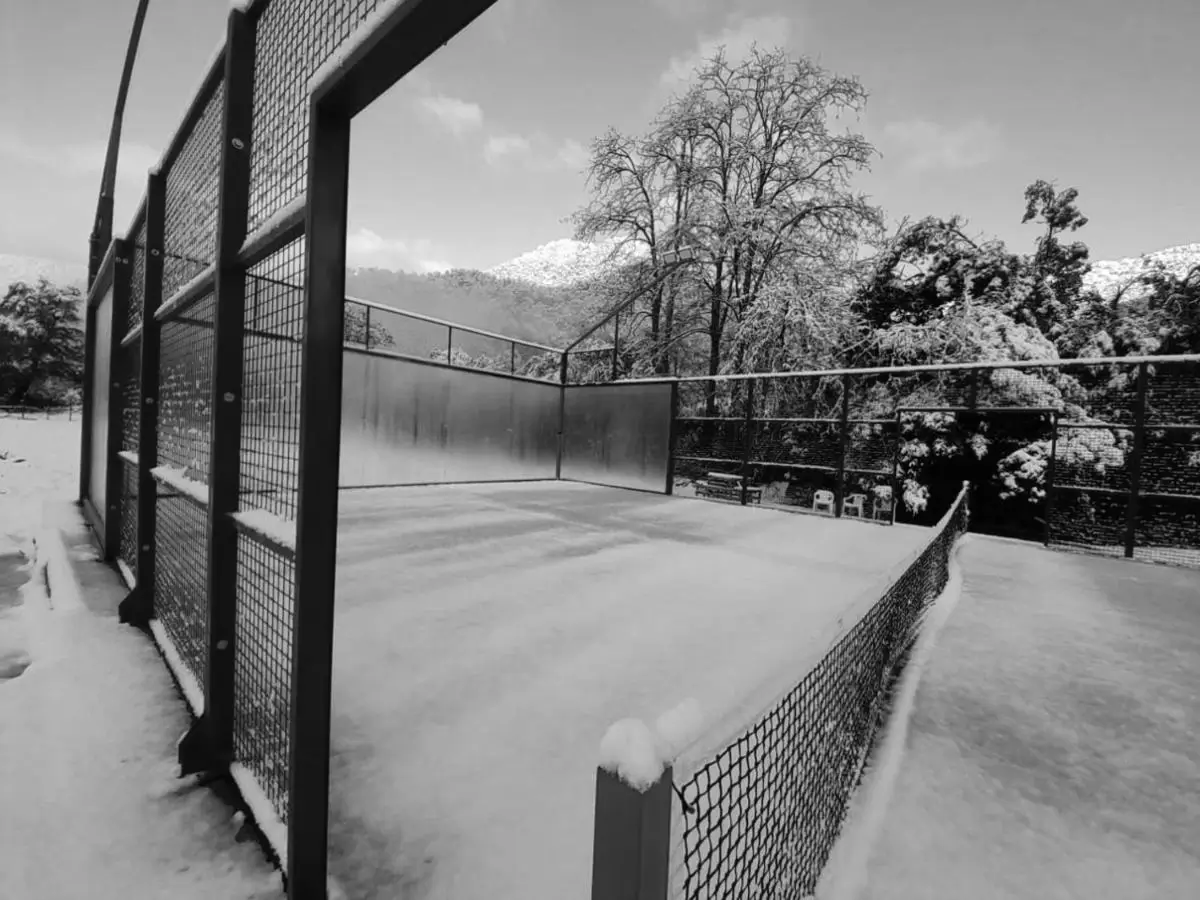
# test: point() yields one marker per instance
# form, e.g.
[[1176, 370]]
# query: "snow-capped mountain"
[[566, 262], [30, 268], [563, 262], [1109, 275]]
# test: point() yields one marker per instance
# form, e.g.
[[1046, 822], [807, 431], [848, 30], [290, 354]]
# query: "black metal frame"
[[402, 40], [138, 607], [208, 745]]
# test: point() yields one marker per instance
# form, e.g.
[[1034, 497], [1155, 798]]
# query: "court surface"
[[1052, 748], [487, 635]]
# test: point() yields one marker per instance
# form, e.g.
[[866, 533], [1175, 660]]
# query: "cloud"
[[738, 37], [683, 9], [134, 160], [927, 145], [367, 249], [500, 147], [456, 116], [573, 155], [536, 152]]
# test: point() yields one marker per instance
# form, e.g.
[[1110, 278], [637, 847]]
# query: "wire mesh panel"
[[294, 39], [130, 364], [137, 286], [1173, 394], [760, 818], [270, 453], [263, 666], [181, 573], [127, 552], [192, 193], [184, 432], [185, 391]]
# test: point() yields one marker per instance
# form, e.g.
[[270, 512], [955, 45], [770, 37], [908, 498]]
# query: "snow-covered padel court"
[[487, 636]]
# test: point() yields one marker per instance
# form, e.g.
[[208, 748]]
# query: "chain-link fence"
[[1095, 455]]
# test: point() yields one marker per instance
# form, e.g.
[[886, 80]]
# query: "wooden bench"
[[720, 486]]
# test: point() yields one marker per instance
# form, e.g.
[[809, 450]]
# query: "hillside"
[[563, 262], [1108, 276], [543, 313]]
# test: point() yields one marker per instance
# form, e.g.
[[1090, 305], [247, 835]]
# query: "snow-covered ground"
[[488, 636], [1052, 748], [89, 805], [39, 462]]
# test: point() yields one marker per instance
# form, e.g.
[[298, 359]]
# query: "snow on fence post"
[[631, 843], [138, 608]]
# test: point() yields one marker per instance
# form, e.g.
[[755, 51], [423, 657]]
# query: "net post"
[[138, 608], [512, 361], [367, 336], [1050, 474], [1135, 464], [672, 437], [317, 502], [747, 440], [844, 442], [449, 345], [113, 470], [210, 747], [632, 839]]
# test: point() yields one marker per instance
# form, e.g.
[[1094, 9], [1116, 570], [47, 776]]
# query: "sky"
[[480, 154]]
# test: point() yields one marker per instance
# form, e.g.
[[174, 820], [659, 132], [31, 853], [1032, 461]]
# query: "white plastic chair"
[[823, 502], [882, 506], [855, 505]]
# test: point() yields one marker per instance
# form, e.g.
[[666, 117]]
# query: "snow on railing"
[[275, 529], [196, 491]]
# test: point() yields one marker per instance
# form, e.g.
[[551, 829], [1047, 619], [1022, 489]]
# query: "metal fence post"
[[899, 443], [113, 470], [317, 503], [672, 437], [449, 346], [1135, 463], [748, 440], [138, 608], [562, 415], [844, 440], [367, 337], [632, 839], [1050, 473], [209, 746], [616, 343]]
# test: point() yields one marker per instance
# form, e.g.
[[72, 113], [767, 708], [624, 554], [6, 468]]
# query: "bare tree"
[[746, 167]]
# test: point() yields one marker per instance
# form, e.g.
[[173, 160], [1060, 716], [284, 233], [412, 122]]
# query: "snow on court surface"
[[487, 636], [1052, 751]]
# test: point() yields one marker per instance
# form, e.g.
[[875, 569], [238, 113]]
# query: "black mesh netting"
[[761, 818]]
